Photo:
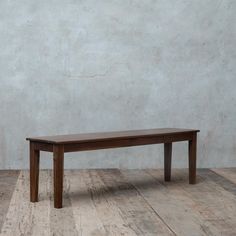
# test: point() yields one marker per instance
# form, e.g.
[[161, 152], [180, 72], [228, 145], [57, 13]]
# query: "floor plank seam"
[[229, 187], [155, 212]]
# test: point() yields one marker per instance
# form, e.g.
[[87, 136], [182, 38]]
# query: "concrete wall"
[[84, 66]]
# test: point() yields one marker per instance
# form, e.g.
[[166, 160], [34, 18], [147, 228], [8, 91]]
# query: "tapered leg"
[[192, 159], [167, 160], [34, 173], [58, 169]]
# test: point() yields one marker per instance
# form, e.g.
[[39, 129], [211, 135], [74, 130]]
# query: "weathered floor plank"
[[106, 208], [174, 209], [206, 198], [127, 202], [41, 210], [228, 173], [134, 209], [8, 181], [87, 219], [24, 217], [62, 221], [223, 200]]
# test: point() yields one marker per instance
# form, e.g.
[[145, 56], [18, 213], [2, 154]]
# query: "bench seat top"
[[116, 135]]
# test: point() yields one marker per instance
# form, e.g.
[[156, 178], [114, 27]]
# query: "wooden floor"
[[127, 202]]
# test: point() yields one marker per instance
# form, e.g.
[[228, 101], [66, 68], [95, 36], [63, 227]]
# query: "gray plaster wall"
[[86, 66]]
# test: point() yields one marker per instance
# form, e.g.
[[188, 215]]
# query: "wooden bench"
[[83, 142]]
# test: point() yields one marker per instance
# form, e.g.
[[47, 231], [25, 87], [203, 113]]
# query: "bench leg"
[[58, 172], [167, 161], [34, 172], [192, 159]]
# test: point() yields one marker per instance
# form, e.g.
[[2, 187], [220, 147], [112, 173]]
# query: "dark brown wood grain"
[[92, 141], [167, 160], [192, 159], [58, 171], [116, 135], [34, 172]]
